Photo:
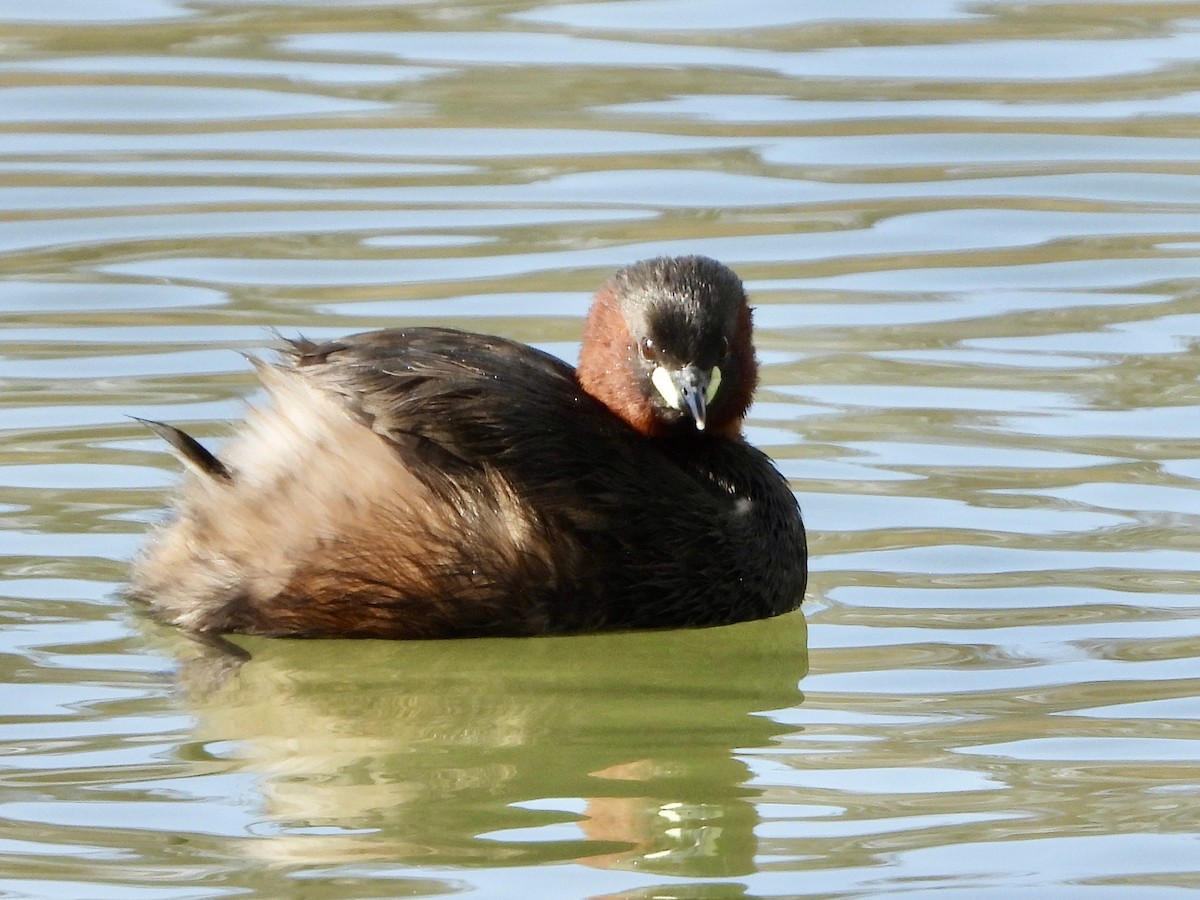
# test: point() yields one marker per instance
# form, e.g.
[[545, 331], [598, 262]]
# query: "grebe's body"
[[433, 483]]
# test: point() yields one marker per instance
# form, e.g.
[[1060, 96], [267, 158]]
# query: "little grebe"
[[426, 482]]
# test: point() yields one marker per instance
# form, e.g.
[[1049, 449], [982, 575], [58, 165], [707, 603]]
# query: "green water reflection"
[[615, 750]]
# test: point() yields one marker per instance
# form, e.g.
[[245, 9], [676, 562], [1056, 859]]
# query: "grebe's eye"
[[648, 349]]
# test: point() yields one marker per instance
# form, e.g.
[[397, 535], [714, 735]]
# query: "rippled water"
[[971, 234]]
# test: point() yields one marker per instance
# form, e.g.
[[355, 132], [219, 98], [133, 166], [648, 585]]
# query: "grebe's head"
[[668, 347]]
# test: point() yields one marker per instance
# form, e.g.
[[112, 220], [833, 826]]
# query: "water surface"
[[970, 232]]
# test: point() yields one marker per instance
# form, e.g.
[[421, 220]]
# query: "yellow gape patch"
[[666, 387]]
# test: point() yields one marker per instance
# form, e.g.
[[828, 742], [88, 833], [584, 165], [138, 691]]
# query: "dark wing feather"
[[473, 396], [191, 451]]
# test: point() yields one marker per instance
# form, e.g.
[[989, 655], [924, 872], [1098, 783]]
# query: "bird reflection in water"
[[615, 750]]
